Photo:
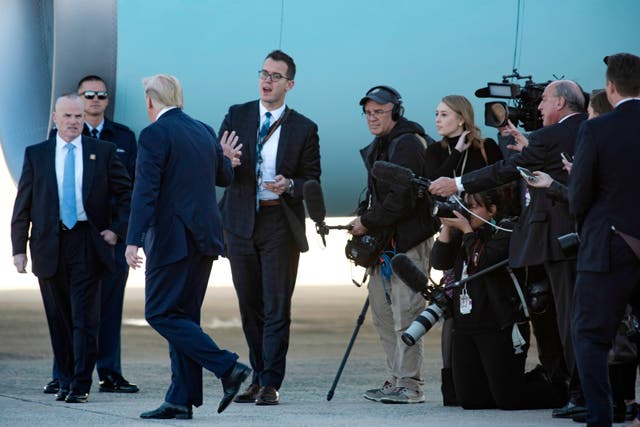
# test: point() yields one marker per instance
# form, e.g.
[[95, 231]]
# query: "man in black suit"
[[64, 195], [603, 196], [175, 217], [93, 90], [263, 217], [534, 240]]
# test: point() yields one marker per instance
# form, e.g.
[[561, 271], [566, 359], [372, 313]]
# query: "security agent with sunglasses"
[[406, 222], [93, 91], [263, 217]]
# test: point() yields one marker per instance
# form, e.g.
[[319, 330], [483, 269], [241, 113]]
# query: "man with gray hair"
[[534, 240], [63, 208], [174, 216]]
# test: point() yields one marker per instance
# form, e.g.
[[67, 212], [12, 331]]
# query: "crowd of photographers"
[[509, 216]]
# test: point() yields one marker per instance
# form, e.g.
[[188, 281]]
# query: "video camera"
[[526, 99]]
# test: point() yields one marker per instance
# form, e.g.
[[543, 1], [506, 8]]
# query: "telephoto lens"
[[422, 324]]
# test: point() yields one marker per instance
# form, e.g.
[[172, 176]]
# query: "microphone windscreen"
[[409, 273], [312, 193], [392, 173]]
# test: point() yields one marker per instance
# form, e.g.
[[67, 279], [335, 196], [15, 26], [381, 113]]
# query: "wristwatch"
[[290, 190]]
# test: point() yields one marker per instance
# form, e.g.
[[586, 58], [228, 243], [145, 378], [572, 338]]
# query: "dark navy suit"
[[604, 192], [69, 264], [175, 217], [264, 247], [113, 284]]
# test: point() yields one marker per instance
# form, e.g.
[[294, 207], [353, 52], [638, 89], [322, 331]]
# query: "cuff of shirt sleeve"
[[458, 180]]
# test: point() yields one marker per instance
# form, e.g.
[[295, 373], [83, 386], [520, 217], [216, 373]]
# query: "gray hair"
[[572, 94], [164, 90], [69, 97]]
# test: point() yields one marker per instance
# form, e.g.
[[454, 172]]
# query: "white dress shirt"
[[269, 152], [61, 154]]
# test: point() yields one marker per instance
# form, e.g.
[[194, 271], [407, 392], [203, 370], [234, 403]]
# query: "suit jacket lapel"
[[285, 131], [253, 123], [88, 167], [51, 178]]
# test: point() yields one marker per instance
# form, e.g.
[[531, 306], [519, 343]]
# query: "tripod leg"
[[348, 351]]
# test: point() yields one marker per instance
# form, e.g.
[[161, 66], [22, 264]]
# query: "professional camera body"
[[440, 306], [445, 209], [526, 99]]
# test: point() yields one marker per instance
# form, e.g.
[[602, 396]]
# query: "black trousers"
[[264, 270], [562, 276], [488, 374], [599, 305], [112, 289], [72, 304]]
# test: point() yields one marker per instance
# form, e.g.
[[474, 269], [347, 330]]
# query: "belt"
[[271, 202], [76, 226]]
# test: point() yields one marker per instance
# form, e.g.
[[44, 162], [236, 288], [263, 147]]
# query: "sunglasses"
[[90, 94]]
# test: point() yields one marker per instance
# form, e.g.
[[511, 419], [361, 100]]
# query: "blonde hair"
[[164, 90], [461, 105]]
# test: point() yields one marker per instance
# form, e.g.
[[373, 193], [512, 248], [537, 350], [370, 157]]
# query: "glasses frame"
[[376, 114], [90, 94], [274, 77]]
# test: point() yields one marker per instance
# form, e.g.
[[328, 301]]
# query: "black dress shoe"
[[569, 411], [267, 396], [168, 411], [117, 384], [61, 395], [231, 384], [77, 397], [52, 387], [249, 395]]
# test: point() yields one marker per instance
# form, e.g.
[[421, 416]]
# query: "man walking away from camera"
[[174, 216]]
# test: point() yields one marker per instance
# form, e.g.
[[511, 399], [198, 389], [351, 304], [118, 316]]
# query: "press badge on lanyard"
[[465, 299]]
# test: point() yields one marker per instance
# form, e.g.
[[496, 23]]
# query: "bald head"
[[559, 99]]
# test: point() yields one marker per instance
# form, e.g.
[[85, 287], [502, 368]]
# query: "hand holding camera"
[[459, 221]]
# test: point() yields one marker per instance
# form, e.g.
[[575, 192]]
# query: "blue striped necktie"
[[69, 213], [264, 131]]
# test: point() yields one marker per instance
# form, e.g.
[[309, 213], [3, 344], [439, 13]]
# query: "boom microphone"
[[312, 192], [409, 273], [396, 174], [313, 199]]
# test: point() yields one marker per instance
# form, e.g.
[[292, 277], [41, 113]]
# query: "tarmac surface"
[[324, 318]]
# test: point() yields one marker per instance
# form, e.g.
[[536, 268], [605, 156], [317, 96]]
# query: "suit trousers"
[[562, 276], [600, 299], [111, 301], [404, 363], [72, 304], [264, 270], [173, 301]]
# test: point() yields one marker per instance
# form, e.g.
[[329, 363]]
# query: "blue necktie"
[[69, 213], [264, 131], [94, 133]]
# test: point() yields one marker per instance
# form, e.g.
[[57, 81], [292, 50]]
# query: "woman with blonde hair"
[[462, 148]]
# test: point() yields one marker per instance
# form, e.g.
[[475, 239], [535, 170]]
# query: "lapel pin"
[[92, 156]]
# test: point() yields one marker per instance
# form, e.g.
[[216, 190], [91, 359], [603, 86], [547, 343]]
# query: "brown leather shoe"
[[249, 395], [267, 396]]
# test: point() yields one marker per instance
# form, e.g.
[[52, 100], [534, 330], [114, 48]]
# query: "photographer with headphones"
[[403, 223]]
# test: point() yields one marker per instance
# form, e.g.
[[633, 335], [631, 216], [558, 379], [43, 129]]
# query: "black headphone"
[[398, 109]]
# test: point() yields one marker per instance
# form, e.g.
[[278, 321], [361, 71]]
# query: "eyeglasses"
[[375, 114], [90, 94], [274, 77]]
